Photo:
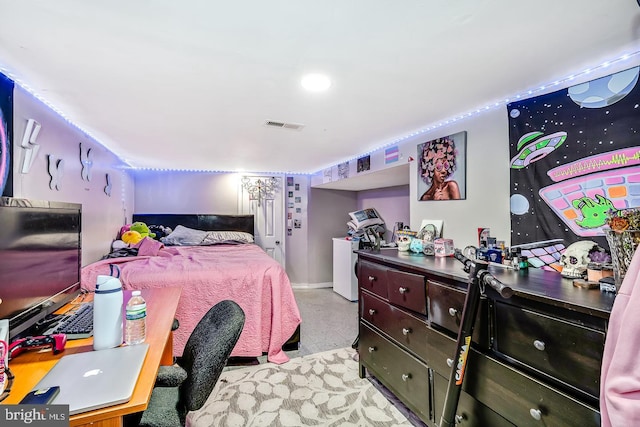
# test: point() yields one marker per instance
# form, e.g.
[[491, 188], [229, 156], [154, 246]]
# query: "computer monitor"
[[40, 259]]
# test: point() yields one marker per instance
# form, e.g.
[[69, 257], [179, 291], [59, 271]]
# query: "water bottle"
[[136, 318], [107, 313]]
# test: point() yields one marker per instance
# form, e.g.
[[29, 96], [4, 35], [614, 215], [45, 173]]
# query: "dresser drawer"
[[441, 352], [567, 351], [446, 304], [470, 413], [401, 373], [523, 400], [407, 290], [372, 277], [408, 330]]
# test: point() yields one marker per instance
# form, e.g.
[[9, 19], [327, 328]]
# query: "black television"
[[40, 259]]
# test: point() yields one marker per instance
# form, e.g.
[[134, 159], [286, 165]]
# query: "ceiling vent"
[[294, 126]]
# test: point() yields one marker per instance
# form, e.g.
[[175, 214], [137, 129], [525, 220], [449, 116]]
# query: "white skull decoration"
[[575, 259], [404, 242], [404, 238]]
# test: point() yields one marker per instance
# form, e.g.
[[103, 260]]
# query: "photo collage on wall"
[[294, 206], [343, 170], [574, 157], [364, 164], [6, 136]]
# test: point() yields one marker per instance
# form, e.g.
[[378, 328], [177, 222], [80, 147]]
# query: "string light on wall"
[[214, 171], [503, 102], [522, 95], [37, 96], [260, 188]]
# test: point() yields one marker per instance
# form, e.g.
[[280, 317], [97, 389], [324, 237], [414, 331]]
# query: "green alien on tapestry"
[[594, 212]]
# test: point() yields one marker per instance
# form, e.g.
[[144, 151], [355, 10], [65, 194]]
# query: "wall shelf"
[[389, 177]]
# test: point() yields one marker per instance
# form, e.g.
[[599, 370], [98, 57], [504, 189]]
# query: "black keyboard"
[[75, 325]]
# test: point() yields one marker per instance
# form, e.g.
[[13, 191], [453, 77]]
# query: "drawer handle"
[[372, 311], [536, 414], [406, 331], [458, 419], [453, 311], [406, 377], [539, 345], [372, 349], [402, 290], [450, 363], [371, 279]]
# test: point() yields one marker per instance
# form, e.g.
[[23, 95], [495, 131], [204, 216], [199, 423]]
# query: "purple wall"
[[392, 203]]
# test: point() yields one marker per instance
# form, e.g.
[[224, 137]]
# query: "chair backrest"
[[207, 351]]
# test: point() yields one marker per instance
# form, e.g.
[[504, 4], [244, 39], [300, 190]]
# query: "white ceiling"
[[189, 84]]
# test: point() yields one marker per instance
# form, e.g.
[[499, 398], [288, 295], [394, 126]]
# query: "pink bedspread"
[[209, 274]]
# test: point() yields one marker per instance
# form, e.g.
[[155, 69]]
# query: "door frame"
[[246, 206]]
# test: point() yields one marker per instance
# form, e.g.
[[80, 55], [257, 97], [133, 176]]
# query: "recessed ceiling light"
[[315, 82]]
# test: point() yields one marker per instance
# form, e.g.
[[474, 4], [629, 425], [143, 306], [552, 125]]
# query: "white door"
[[269, 217]]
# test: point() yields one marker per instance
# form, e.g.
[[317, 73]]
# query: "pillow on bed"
[[184, 236], [234, 237]]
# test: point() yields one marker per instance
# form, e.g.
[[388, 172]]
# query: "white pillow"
[[217, 237], [184, 236]]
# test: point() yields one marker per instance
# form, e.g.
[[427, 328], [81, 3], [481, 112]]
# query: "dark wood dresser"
[[535, 358]]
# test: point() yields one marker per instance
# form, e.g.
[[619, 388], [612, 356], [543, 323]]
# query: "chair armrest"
[[170, 376]]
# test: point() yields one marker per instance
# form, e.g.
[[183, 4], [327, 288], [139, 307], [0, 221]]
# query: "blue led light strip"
[[522, 95]]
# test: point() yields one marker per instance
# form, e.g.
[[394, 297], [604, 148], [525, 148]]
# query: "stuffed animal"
[[160, 231], [123, 230], [131, 237], [143, 229], [132, 234]]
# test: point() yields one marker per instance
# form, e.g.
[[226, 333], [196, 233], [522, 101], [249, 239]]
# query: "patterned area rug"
[[321, 389]]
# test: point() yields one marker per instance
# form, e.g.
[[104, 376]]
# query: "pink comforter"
[[209, 274]]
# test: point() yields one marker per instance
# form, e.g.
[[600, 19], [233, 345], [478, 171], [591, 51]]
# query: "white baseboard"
[[312, 285]]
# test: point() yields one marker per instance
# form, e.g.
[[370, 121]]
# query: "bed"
[[209, 273]]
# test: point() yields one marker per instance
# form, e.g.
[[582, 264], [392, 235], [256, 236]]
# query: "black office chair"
[[187, 385]]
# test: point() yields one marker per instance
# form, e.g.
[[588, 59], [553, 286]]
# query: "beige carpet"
[[321, 389]]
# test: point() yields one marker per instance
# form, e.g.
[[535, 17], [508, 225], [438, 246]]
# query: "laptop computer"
[[96, 379]]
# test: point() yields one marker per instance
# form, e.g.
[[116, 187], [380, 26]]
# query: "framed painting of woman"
[[442, 168]]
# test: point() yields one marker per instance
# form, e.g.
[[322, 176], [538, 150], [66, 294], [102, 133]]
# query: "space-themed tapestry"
[[6, 128], [575, 155]]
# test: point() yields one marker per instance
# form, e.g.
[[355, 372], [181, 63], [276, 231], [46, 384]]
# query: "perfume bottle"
[[515, 258], [523, 264]]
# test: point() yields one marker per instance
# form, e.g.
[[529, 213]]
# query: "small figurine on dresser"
[[444, 247], [427, 236], [404, 238]]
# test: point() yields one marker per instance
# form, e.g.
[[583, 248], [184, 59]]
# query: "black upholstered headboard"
[[206, 222]]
